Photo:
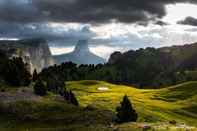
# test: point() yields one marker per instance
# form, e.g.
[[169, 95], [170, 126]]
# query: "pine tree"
[[73, 99], [125, 111], [70, 97], [66, 95], [35, 75], [40, 88]]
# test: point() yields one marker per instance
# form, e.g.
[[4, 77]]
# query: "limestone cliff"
[[35, 52]]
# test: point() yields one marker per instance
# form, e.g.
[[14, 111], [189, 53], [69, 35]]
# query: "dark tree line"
[[144, 68], [14, 71], [54, 85]]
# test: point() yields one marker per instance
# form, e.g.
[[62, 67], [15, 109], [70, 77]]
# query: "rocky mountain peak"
[[81, 55], [82, 46]]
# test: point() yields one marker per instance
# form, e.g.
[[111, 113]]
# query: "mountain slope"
[[81, 55]]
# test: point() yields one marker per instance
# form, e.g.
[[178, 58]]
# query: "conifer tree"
[[73, 99], [40, 88], [35, 75], [66, 95], [125, 112], [70, 97]]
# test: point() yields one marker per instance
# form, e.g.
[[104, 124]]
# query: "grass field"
[[48, 114], [155, 109], [177, 103]]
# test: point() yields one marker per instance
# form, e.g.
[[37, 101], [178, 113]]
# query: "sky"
[[108, 25]]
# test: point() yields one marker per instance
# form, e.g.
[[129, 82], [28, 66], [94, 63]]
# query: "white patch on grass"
[[103, 88]]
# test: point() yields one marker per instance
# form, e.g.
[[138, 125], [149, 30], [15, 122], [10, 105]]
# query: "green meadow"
[[153, 105], [155, 108]]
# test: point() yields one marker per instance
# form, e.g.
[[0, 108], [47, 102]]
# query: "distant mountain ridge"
[[80, 55]]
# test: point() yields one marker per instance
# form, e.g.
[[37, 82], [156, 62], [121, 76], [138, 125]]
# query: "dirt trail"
[[19, 95]]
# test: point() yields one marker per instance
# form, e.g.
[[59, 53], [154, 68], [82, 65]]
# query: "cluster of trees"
[[56, 86], [69, 71], [14, 71], [69, 97], [40, 88]]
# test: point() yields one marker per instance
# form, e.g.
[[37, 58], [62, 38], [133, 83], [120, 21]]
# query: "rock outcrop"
[[80, 55], [34, 52]]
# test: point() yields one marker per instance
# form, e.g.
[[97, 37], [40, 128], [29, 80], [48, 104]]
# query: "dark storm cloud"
[[161, 23], [82, 11], [18, 11], [188, 21], [56, 34]]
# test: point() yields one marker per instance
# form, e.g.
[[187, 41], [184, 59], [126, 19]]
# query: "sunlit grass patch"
[[152, 105]]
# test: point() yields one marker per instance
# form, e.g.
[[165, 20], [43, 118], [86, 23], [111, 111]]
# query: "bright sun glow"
[[176, 12]]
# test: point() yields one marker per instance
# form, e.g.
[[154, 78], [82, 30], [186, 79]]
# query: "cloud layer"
[[109, 25], [188, 21], [83, 11]]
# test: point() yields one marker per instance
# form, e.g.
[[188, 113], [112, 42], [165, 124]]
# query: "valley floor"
[[20, 110]]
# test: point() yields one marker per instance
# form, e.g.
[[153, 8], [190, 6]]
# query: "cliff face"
[[81, 55], [35, 52]]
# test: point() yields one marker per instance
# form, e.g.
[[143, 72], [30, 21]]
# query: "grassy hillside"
[[51, 116], [174, 103], [51, 113]]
